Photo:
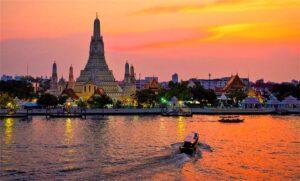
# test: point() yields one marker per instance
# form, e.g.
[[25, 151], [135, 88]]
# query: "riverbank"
[[152, 111]]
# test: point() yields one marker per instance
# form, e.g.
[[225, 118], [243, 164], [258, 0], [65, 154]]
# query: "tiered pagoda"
[[96, 71]]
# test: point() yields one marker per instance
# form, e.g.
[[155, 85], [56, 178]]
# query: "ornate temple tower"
[[96, 70], [54, 74], [132, 74], [53, 82], [129, 87], [61, 85], [127, 74], [71, 82]]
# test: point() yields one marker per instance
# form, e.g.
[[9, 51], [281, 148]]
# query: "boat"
[[190, 143], [177, 111], [16, 115], [231, 119], [66, 115]]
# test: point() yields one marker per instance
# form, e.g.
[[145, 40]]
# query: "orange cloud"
[[255, 32], [221, 6], [243, 32]]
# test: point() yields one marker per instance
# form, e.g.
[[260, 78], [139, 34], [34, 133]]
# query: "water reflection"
[[68, 130], [68, 155], [180, 128], [8, 130], [138, 148]]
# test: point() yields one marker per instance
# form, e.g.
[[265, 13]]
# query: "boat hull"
[[231, 120]]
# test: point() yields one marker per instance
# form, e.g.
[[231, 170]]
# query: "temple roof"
[[70, 93], [234, 83], [61, 81], [153, 84], [99, 91]]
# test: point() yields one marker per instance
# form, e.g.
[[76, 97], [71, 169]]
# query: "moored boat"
[[66, 115], [231, 119], [190, 143], [177, 111]]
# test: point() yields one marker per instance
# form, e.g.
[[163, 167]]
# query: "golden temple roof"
[[234, 83]]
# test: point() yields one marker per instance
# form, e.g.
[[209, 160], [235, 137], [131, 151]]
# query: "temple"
[[96, 73], [234, 84], [129, 87], [53, 81], [71, 82]]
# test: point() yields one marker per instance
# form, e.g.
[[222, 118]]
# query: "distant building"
[[218, 84], [149, 79], [6, 77], [19, 77], [140, 84], [260, 81], [213, 83], [191, 83], [175, 78], [261, 86], [164, 85], [295, 82]]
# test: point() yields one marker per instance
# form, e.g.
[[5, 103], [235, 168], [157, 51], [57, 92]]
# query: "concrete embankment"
[[154, 111]]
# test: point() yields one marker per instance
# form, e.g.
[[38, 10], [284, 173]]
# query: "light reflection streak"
[[8, 130], [180, 128], [68, 130], [162, 127]]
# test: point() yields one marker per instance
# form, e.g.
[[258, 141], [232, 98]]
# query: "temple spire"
[[97, 27]]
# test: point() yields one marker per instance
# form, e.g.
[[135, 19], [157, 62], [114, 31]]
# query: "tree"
[[47, 100], [237, 96], [117, 104], [5, 100], [179, 90], [204, 96], [284, 90], [21, 89], [99, 101], [146, 98], [82, 104], [62, 99]]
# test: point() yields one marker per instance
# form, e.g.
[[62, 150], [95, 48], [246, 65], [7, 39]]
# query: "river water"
[[146, 148]]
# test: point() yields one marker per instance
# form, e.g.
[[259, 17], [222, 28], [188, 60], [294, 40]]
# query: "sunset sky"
[[255, 38]]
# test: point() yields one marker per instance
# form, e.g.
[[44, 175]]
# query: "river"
[[146, 148]]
